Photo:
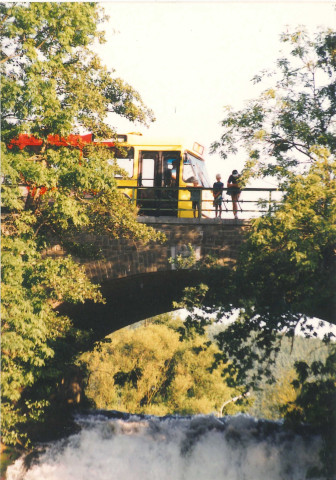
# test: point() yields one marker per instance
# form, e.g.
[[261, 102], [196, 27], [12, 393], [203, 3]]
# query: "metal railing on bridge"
[[174, 201]]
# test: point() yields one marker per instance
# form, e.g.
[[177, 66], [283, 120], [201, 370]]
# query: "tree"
[[52, 82], [273, 399], [286, 269], [149, 370], [315, 404], [281, 129], [53, 86]]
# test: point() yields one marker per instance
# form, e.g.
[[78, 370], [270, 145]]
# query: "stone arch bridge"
[[139, 281]]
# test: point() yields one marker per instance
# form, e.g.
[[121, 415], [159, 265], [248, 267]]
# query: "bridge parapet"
[[123, 258]]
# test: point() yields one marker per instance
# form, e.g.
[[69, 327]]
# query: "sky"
[[188, 60]]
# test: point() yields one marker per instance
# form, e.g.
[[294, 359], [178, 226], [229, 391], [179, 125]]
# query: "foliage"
[[30, 326], [149, 370], [286, 270], [52, 81], [315, 404], [281, 129], [77, 195], [52, 84], [193, 301], [272, 399], [187, 260]]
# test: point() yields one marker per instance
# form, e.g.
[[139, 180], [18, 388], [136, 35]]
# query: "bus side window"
[[127, 165], [148, 165], [124, 158]]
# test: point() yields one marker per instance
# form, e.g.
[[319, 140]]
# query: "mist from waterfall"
[[112, 446]]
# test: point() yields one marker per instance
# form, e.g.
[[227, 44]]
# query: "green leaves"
[[294, 116], [32, 286], [286, 270], [52, 84], [315, 404], [295, 246], [149, 370]]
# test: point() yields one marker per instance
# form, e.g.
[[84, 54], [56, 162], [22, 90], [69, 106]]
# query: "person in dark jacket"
[[234, 190]]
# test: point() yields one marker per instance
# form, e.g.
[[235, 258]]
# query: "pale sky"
[[190, 59]]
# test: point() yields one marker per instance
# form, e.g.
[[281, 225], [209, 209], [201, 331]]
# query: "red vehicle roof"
[[24, 140]]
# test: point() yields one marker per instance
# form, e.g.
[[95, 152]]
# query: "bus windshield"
[[124, 158], [195, 167]]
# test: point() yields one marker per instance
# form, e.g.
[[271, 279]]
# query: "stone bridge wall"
[[123, 258]]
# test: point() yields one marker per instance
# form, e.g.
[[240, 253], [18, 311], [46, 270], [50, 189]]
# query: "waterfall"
[[112, 446]]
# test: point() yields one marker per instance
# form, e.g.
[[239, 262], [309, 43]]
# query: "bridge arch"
[[140, 281]]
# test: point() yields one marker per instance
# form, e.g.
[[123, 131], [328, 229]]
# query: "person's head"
[[195, 182], [235, 173], [218, 177]]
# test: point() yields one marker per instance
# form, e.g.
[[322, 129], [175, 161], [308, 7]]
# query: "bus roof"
[[138, 140]]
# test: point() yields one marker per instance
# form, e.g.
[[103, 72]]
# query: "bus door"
[[147, 180], [158, 182], [170, 181]]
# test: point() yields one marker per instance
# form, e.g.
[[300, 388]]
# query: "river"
[[115, 446]]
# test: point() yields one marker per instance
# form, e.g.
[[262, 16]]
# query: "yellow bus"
[[160, 173]]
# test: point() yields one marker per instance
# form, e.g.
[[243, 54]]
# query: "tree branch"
[[9, 57]]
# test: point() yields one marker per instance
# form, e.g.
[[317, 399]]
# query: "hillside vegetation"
[[148, 369]]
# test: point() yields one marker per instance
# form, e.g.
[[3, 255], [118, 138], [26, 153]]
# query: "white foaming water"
[[174, 448]]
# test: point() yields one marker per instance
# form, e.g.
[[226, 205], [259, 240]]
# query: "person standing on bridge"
[[195, 196], [217, 191], [234, 190]]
